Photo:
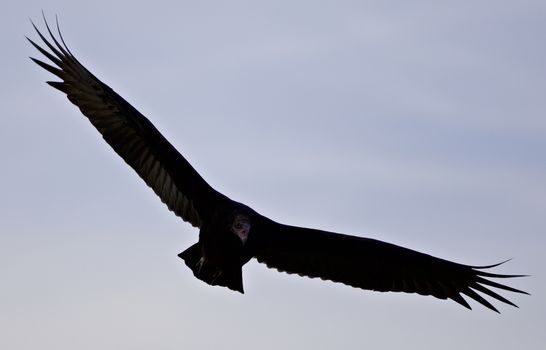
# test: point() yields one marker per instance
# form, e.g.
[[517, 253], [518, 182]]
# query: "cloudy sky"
[[420, 123]]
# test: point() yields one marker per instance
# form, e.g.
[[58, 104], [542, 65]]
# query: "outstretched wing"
[[371, 264], [131, 135]]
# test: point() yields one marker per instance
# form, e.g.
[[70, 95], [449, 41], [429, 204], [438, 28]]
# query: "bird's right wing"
[[131, 135], [371, 264]]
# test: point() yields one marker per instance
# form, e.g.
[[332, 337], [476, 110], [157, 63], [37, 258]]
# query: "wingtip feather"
[[56, 71], [460, 300], [472, 294], [59, 85]]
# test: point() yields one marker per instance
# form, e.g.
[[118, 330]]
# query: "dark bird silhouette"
[[231, 233]]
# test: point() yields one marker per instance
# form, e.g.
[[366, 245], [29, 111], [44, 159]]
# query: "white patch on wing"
[[241, 227]]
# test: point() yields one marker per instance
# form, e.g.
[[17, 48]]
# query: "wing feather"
[[374, 265], [130, 134]]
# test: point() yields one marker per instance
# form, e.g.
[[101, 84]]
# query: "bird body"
[[231, 233], [224, 247]]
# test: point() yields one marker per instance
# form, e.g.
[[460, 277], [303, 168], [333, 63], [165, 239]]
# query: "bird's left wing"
[[371, 264], [131, 135]]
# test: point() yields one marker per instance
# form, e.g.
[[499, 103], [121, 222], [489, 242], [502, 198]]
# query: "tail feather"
[[231, 278], [192, 256]]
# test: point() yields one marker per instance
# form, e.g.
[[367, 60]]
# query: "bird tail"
[[231, 278]]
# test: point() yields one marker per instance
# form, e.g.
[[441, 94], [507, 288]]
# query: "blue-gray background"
[[421, 123]]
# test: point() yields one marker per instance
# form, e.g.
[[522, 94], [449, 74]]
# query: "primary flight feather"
[[231, 233]]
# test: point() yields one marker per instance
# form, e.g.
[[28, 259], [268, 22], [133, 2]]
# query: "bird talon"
[[199, 265], [216, 275]]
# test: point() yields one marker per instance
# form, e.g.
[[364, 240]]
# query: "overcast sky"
[[421, 123]]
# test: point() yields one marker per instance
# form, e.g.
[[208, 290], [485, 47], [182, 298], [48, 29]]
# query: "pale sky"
[[420, 123]]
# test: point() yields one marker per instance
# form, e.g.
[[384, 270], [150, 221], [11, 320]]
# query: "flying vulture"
[[231, 233]]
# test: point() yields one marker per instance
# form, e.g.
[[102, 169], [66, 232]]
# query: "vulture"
[[231, 233]]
